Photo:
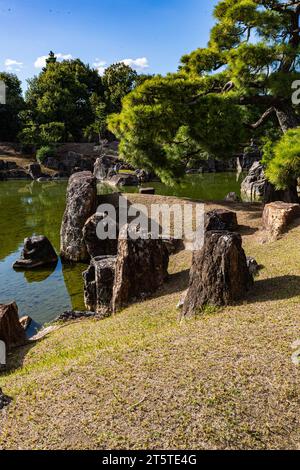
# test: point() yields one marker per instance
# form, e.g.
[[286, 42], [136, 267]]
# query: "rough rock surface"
[[98, 285], [71, 315], [220, 219], [255, 187], [26, 322], [95, 246], [277, 216], [11, 330], [124, 179], [81, 204], [232, 197], [141, 268], [37, 252], [219, 275], [103, 166]]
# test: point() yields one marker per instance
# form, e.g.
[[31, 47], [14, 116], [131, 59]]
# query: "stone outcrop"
[[25, 322], [94, 245], [11, 330], [98, 285], [141, 268], [256, 188], [232, 197], [219, 275], [124, 179], [81, 204], [277, 217], [37, 252], [253, 186], [103, 167], [221, 219], [72, 315]]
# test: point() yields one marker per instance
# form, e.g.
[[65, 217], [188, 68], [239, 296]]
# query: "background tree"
[[62, 95], [118, 80], [10, 122], [237, 87]]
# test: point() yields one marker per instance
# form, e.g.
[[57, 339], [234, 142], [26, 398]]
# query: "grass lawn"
[[143, 379]]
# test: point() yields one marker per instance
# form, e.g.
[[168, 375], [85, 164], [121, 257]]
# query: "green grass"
[[144, 379]]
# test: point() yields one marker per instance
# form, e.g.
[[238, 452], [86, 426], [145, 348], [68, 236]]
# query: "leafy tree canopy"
[[9, 112], [238, 85]]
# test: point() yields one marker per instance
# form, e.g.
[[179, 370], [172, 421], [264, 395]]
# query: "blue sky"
[[151, 34]]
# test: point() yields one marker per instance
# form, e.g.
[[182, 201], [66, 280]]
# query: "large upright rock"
[[253, 186], [141, 268], [98, 285], [37, 252], [219, 275], [277, 216], [81, 204], [11, 330]]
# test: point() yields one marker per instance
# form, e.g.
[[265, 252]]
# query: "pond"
[[31, 208]]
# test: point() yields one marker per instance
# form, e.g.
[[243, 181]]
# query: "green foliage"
[[45, 152], [118, 80], [62, 94], [283, 159], [248, 66], [10, 122], [161, 131]]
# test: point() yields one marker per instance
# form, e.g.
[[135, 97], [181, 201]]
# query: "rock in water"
[[35, 170], [219, 275], [277, 216], [94, 245], [37, 252], [81, 204], [98, 285], [11, 330], [141, 268]]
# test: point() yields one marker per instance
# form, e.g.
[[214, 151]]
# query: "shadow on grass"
[[15, 358], [276, 288]]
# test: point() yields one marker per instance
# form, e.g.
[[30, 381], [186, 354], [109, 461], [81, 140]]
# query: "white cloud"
[[41, 61], [139, 64], [12, 65], [100, 65]]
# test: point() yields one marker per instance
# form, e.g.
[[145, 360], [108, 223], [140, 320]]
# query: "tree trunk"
[[286, 117]]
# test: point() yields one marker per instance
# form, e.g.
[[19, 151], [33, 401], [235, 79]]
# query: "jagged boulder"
[[81, 204], [95, 246], [37, 252], [98, 285], [11, 331], [221, 219], [103, 166], [219, 275], [277, 217], [253, 186], [141, 268], [256, 188]]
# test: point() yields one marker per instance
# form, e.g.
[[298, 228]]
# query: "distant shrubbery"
[[45, 152]]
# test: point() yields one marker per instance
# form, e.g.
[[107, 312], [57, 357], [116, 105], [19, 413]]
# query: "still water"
[[32, 208]]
